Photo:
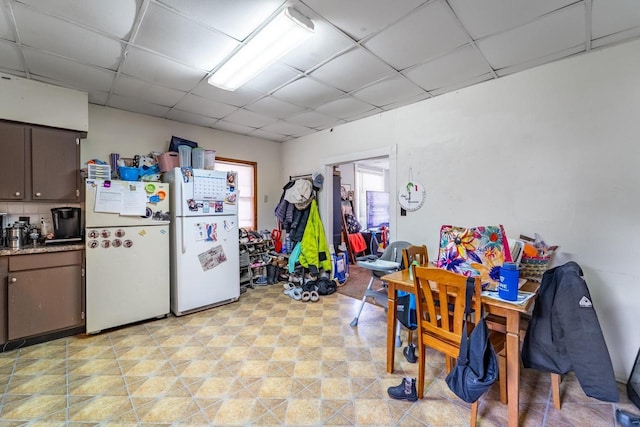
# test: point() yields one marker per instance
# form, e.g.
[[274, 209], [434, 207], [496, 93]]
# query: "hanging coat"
[[314, 253], [564, 334]]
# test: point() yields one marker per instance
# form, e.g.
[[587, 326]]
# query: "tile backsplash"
[[34, 211]]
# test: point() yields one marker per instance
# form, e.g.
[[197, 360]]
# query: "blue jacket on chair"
[[564, 334]]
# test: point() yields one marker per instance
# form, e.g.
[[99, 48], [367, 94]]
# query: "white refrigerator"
[[204, 239], [127, 252]]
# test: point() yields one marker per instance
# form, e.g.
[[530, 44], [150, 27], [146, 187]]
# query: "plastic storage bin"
[[168, 161], [184, 152], [197, 158], [209, 159]]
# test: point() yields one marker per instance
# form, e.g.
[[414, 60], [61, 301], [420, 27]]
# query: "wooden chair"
[[497, 324], [440, 325], [410, 254], [415, 253]]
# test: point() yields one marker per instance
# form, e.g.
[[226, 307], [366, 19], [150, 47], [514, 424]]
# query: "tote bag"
[[477, 366]]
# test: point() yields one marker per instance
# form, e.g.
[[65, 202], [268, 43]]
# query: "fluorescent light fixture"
[[286, 31]]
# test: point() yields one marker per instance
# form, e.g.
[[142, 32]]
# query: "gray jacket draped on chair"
[[564, 334]]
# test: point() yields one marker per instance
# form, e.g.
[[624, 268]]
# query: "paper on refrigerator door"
[[123, 199]]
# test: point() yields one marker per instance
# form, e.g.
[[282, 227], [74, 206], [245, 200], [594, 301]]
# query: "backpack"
[[326, 286]]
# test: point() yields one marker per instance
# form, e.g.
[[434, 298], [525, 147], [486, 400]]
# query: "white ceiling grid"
[[367, 56]]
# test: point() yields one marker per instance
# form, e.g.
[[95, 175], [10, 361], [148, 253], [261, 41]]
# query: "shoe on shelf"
[[410, 353], [406, 390]]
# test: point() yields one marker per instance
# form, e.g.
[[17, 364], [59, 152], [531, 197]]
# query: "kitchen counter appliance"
[[67, 225]]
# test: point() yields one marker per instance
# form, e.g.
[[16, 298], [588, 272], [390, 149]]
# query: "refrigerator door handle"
[[184, 245]]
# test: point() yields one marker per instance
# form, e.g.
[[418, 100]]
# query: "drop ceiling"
[[366, 57]]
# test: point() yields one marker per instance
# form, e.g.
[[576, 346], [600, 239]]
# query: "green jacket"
[[315, 251]]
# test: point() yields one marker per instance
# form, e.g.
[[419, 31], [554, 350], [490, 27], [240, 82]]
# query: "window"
[[367, 179], [247, 172]]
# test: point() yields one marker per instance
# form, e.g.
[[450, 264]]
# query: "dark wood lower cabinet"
[[44, 294]]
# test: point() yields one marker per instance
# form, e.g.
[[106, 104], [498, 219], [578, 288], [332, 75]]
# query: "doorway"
[[383, 156]]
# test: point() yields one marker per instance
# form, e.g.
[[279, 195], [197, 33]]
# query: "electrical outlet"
[[266, 198]]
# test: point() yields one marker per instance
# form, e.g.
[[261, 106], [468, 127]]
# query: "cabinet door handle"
[[38, 194], [17, 194], [14, 280]]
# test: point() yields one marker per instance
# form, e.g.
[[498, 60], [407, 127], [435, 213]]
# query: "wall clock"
[[411, 196]]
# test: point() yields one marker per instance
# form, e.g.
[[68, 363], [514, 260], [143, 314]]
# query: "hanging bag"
[[477, 366]]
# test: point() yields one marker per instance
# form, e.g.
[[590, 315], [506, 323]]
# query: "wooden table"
[[510, 313]]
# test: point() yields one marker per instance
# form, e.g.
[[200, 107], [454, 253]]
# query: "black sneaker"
[[410, 353], [405, 391]]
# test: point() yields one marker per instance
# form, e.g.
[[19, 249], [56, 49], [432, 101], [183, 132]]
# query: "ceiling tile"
[[388, 91], [248, 118], [233, 127], [458, 66], [325, 43], [168, 33], [273, 77], [353, 70], [235, 18], [160, 70], [314, 119], [137, 106], [429, 32], [359, 18], [205, 107], [271, 136], [284, 128], [539, 61], [308, 92], [612, 16], [273, 107], [98, 97], [10, 56], [71, 74], [344, 108], [552, 33], [115, 17], [186, 117], [486, 17], [238, 97], [132, 87], [6, 30], [51, 34]]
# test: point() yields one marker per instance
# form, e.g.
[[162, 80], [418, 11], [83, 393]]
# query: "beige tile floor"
[[264, 360]]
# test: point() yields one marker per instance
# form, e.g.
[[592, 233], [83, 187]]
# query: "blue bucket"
[[128, 173]]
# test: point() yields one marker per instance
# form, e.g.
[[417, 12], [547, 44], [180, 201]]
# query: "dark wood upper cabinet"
[[13, 146], [55, 165], [39, 164]]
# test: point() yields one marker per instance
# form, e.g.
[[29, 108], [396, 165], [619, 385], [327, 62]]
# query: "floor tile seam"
[[179, 377], [6, 388], [126, 385]]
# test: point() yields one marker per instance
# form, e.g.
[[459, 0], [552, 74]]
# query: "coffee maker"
[[67, 226]]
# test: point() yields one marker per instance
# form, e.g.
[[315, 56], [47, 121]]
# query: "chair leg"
[[555, 389], [354, 322], [409, 336], [474, 414], [502, 370], [421, 367]]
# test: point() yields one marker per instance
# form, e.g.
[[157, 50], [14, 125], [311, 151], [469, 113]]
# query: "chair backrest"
[[393, 252], [440, 324], [415, 253]]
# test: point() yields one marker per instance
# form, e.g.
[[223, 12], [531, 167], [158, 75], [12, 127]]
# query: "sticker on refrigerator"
[[200, 230], [212, 258], [228, 224], [212, 232]]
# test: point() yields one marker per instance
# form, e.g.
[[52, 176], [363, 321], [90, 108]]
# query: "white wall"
[[552, 150], [117, 131]]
